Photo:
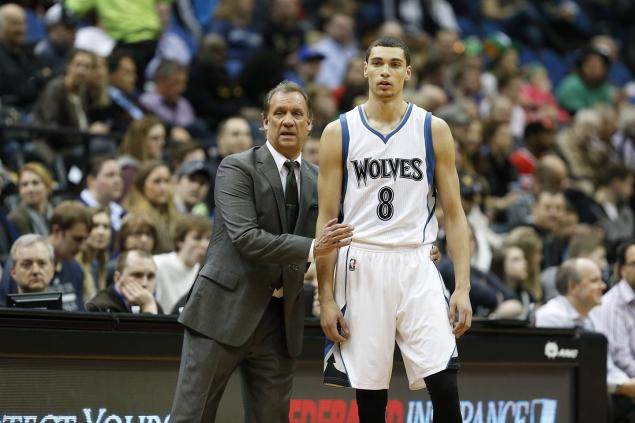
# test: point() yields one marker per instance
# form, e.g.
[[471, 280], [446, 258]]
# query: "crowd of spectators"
[[115, 116]]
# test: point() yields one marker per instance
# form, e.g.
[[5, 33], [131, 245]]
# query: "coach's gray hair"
[[287, 87], [567, 272], [28, 240]]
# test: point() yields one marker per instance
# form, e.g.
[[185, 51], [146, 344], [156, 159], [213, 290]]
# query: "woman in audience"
[[527, 239], [144, 140], [35, 186], [138, 232], [93, 257], [511, 266], [151, 195]]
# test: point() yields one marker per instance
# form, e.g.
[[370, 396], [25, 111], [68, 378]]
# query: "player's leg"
[[371, 405], [444, 394], [206, 366], [425, 338]]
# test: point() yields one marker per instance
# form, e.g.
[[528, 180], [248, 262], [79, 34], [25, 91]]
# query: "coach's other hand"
[[460, 313], [332, 319], [334, 235]]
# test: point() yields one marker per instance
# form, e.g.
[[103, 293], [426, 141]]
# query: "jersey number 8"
[[385, 208]]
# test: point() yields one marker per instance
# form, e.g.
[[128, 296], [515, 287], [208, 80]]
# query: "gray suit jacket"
[[251, 251]]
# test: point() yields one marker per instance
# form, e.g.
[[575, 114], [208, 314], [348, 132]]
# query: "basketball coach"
[[246, 308]]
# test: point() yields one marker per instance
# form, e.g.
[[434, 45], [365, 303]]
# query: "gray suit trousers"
[[266, 372]]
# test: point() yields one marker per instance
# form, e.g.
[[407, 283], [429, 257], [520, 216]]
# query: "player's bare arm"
[[456, 228], [329, 193]]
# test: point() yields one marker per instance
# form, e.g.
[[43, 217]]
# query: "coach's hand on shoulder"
[[460, 313], [334, 235], [333, 322], [435, 254]]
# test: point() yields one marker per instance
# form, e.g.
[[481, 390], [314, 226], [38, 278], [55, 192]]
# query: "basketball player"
[[384, 167]]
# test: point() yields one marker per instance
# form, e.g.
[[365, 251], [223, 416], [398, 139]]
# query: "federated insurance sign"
[[540, 410]]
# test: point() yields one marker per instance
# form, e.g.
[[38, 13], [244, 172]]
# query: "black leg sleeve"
[[444, 393], [371, 405]]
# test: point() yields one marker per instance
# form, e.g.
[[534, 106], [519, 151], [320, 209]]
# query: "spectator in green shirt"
[[135, 25], [589, 85]]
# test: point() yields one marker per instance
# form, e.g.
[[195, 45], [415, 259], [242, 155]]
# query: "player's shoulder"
[[333, 130]]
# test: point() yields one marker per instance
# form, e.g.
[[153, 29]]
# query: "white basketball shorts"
[[387, 296]]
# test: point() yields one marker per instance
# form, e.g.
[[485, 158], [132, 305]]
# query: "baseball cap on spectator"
[[58, 15], [192, 167], [453, 114], [307, 54]]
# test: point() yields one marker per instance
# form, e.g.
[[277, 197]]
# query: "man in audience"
[[52, 51], [104, 185], [192, 187], [577, 145], [33, 261], [177, 270], [63, 103], [579, 282], [133, 289], [122, 75], [234, 136], [20, 78], [338, 47], [70, 225], [167, 101]]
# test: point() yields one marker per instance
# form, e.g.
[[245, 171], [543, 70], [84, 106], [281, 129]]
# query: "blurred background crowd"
[[114, 116]]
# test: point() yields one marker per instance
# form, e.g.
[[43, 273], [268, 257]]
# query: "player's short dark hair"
[[389, 42], [287, 87]]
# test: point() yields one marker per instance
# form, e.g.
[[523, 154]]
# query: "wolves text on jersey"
[[387, 168]]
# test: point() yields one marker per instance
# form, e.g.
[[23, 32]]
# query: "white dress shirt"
[[283, 172]]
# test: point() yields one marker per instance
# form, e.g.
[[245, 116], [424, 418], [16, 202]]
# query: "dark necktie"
[[291, 194]]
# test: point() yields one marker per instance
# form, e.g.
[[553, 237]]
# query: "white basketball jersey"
[[388, 180]]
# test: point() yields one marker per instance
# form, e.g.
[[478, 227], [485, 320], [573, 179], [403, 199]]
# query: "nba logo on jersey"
[[352, 264]]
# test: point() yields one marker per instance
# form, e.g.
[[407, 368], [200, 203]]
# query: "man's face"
[[80, 68], [108, 183], [387, 71], [193, 188], [14, 31], [138, 270], [627, 272], [549, 210], [195, 245], [69, 241], [340, 28], [311, 151], [235, 137], [287, 124], [125, 76], [61, 36], [173, 86], [591, 286], [33, 268]]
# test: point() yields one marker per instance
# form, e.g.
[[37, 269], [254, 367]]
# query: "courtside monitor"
[[36, 300]]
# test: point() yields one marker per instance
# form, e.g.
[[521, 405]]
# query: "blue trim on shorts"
[[345, 143]]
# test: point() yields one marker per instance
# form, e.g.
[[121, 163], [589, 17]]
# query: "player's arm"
[[455, 225], [329, 193]]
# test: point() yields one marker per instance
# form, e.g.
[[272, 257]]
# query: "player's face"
[[387, 71], [287, 123]]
